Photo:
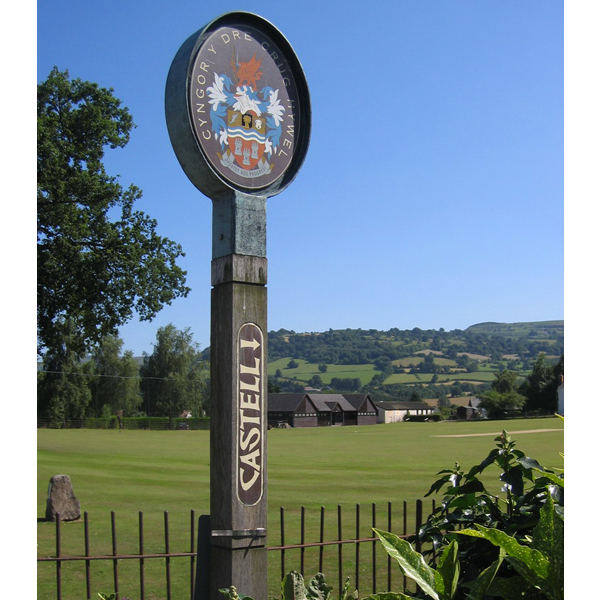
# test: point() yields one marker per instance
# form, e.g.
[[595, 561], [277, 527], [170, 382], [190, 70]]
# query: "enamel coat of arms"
[[243, 103]]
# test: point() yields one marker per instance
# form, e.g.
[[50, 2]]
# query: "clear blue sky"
[[432, 194]]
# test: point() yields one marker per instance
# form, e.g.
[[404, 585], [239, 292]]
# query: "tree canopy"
[[95, 269], [174, 375]]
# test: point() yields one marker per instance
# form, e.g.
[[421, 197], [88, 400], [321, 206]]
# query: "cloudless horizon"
[[432, 193]]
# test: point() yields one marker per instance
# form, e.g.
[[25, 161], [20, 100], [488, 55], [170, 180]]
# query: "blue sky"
[[432, 193]]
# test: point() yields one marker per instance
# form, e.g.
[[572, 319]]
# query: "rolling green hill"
[[396, 360]]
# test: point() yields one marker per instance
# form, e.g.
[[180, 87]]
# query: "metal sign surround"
[[247, 105], [251, 404]]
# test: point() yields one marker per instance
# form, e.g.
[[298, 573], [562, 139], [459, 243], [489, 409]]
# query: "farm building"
[[471, 410], [392, 412], [321, 410]]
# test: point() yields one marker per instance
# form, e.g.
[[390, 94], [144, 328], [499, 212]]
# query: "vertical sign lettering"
[[250, 447]]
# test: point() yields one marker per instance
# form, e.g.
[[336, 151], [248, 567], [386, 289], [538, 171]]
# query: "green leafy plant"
[[508, 544], [539, 566], [525, 486], [439, 583], [293, 587]]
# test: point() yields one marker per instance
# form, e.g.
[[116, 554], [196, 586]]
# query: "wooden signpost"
[[238, 115]]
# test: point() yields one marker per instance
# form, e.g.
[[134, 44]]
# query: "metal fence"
[[371, 569]]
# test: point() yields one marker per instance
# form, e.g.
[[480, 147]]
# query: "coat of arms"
[[245, 120]]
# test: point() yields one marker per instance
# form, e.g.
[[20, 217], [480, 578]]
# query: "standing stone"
[[61, 499]]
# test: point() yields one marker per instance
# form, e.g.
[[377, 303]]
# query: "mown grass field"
[[157, 471]]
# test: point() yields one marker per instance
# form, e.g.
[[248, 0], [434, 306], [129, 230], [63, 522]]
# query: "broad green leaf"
[[484, 464], [448, 571], [512, 588], [530, 563], [548, 538], [514, 478], [411, 562], [534, 559], [544, 584], [470, 487], [292, 587], [530, 463], [479, 587], [317, 588]]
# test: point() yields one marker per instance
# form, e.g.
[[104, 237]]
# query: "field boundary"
[[292, 555], [462, 435]]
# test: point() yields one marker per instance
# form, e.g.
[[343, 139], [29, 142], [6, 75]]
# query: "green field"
[[305, 371], [449, 378], [156, 471]]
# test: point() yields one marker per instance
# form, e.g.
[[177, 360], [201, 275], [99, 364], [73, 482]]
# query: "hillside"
[[398, 361], [539, 329]]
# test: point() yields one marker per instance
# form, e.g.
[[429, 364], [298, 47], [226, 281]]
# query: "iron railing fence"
[[358, 556]]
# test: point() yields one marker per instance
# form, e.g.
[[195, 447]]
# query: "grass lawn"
[[156, 471]]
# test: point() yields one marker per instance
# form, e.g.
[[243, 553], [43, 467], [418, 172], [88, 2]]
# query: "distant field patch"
[[305, 371], [409, 378]]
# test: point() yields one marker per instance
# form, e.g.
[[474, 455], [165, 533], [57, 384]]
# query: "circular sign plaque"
[[238, 108]]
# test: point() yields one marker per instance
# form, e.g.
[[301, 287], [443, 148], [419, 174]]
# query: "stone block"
[[61, 499]]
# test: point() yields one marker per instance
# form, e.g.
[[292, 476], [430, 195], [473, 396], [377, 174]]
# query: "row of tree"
[[173, 379], [538, 392], [100, 262], [359, 346]]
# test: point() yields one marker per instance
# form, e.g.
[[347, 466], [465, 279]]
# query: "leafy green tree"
[[505, 381], [99, 260], [541, 385], [415, 396], [315, 381], [63, 385], [116, 386], [174, 376], [497, 404]]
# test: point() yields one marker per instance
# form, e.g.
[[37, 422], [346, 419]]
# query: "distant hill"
[[360, 346], [538, 330], [397, 361]]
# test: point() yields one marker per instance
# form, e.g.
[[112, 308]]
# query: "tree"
[[93, 272], [497, 404], [63, 385], [117, 380], [505, 381], [315, 381], [174, 375], [415, 396], [541, 385]]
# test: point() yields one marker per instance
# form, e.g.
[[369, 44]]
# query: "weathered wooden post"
[[238, 114]]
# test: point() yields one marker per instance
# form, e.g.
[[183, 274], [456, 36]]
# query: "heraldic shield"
[[246, 136]]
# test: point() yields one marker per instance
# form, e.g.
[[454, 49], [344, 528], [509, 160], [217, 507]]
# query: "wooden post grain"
[[238, 505]]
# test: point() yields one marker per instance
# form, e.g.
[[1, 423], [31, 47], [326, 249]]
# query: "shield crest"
[[246, 136]]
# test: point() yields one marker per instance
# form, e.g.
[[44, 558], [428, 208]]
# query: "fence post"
[[202, 586], [418, 523]]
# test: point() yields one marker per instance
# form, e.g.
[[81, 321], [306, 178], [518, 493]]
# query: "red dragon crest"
[[248, 73]]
